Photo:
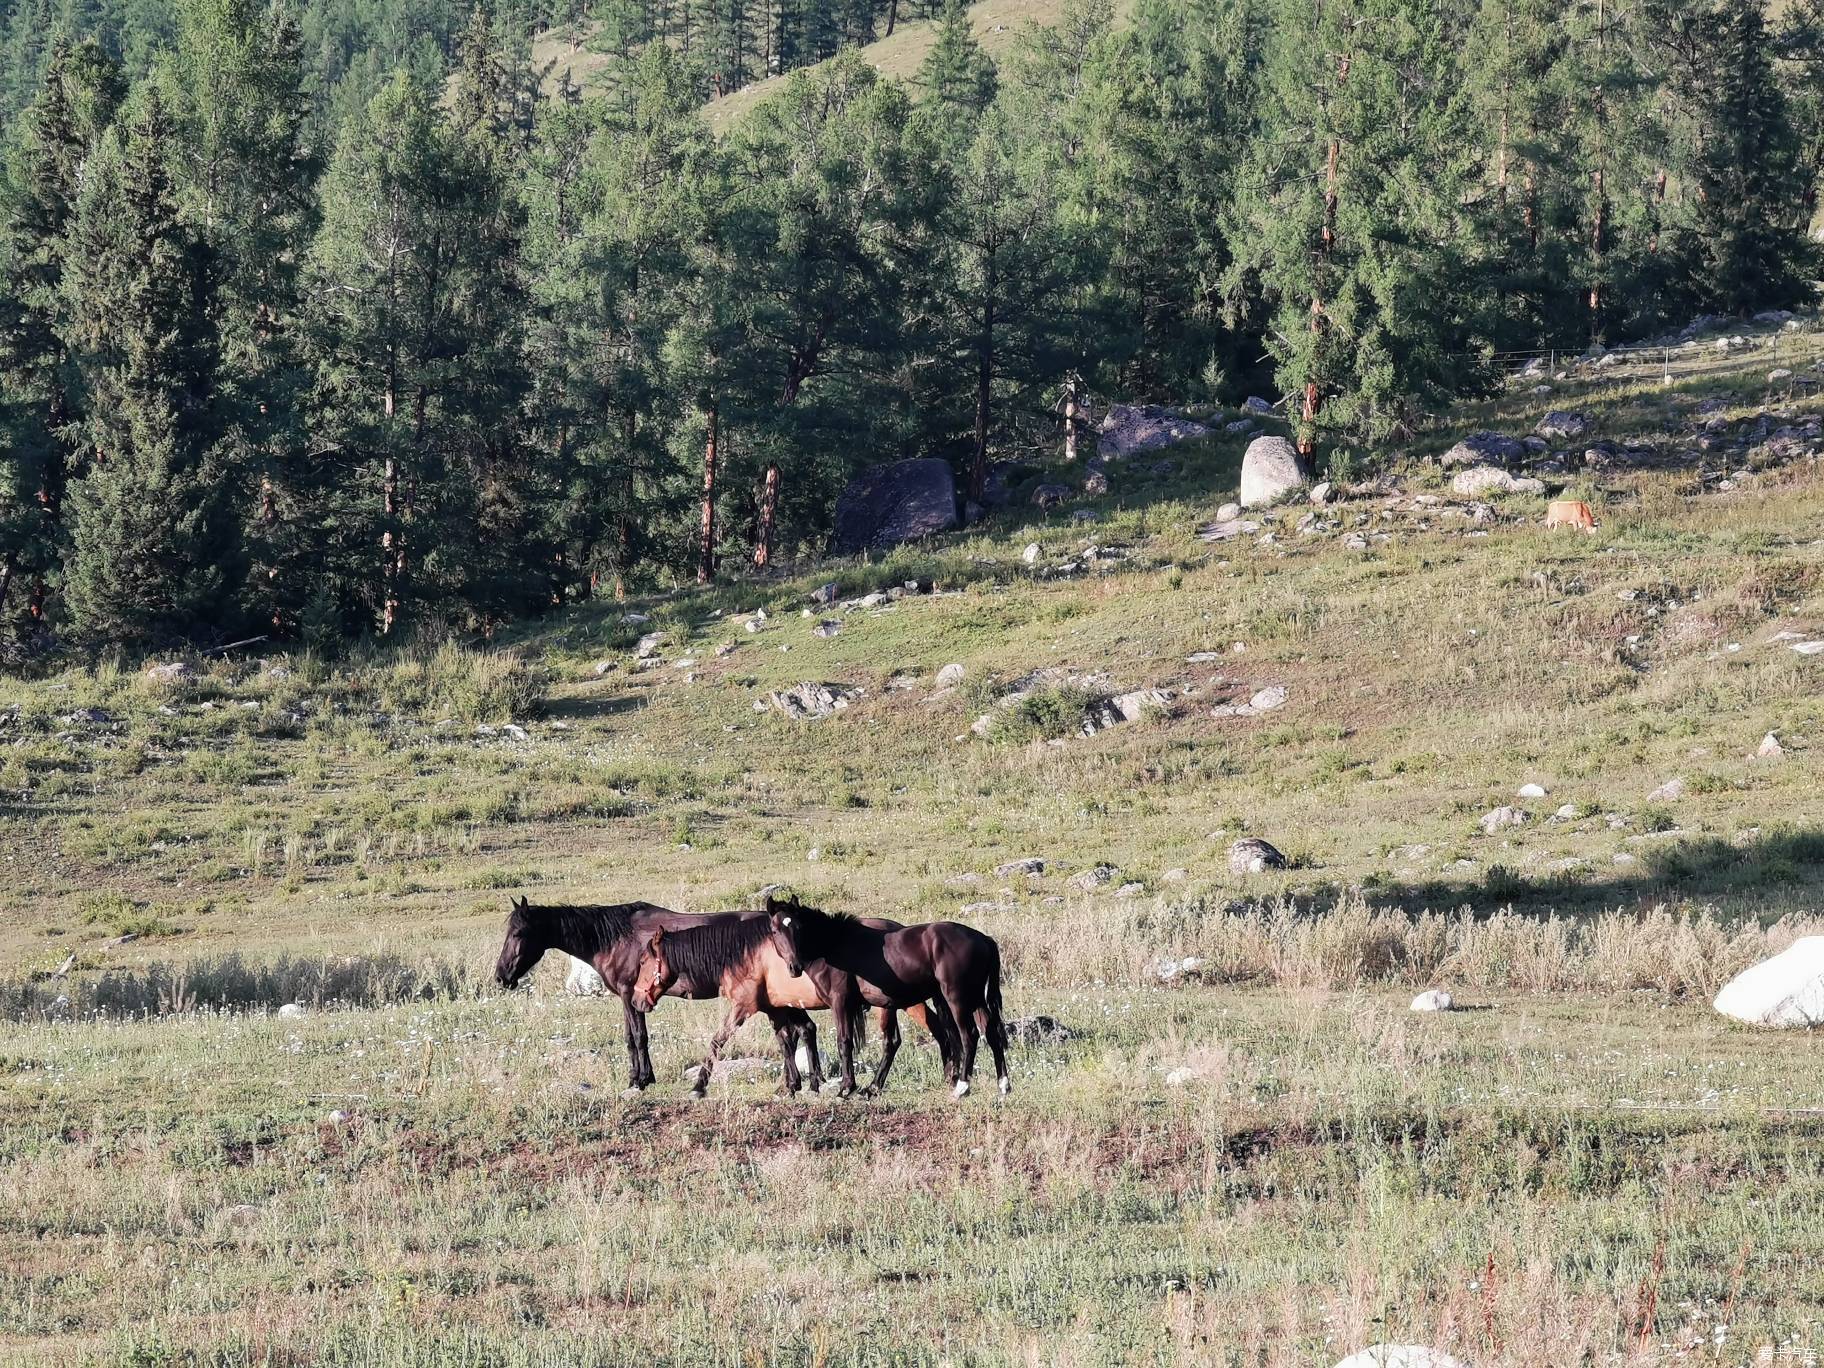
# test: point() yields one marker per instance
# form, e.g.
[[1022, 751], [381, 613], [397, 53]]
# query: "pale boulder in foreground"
[[1787, 990], [1436, 1000], [583, 979], [1401, 1356], [1271, 469]]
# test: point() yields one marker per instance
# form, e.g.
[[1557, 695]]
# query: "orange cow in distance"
[[1570, 513]]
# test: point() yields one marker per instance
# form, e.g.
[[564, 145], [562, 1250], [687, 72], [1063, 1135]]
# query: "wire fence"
[[1785, 348]]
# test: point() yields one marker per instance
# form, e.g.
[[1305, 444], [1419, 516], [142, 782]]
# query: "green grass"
[[1593, 1167]]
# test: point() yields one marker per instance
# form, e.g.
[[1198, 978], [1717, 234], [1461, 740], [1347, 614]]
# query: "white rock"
[[950, 676], [1570, 812], [1271, 469], [1130, 890], [1770, 748], [1400, 1356], [1174, 876], [338, 1117], [582, 979], [1787, 990], [291, 1011], [514, 732], [1809, 648], [1530, 791], [1436, 1000], [1269, 698], [1668, 791], [1228, 512], [1177, 1078], [1321, 492], [1031, 554], [980, 726], [649, 645]]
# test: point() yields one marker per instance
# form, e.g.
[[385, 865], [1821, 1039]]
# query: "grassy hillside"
[[1260, 1158], [997, 24]]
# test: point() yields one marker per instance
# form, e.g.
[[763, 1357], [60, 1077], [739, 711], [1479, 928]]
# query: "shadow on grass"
[[1697, 868]]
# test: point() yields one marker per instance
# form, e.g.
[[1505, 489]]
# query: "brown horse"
[[611, 939], [946, 961], [744, 965]]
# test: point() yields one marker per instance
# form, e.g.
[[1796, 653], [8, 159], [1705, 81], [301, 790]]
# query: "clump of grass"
[[1044, 714], [121, 916], [468, 685]]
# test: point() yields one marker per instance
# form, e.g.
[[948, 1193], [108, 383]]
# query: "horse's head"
[[786, 918], [522, 948], [655, 974]]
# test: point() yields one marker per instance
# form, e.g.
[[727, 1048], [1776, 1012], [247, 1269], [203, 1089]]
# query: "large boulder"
[[1560, 425], [1787, 990], [1478, 481], [1271, 469], [583, 980], [898, 502], [1128, 429], [1485, 448]]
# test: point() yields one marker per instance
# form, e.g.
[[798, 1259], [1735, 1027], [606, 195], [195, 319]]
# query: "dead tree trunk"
[[1070, 418], [706, 565], [984, 387]]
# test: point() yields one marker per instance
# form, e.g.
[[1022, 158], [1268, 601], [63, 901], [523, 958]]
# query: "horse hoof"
[[962, 1087]]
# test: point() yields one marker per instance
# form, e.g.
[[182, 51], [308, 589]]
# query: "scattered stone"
[[727, 1070], [1175, 876], [1257, 405], [1269, 698], [1093, 878], [1131, 707], [981, 725], [1809, 648], [1228, 512], [1561, 426], [173, 672], [950, 676], [1484, 449], [1667, 792], [726, 648], [1436, 1000], [1271, 469], [1480, 480], [649, 646], [812, 701], [1130, 890], [583, 980], [1531, 791], [1504, 817], [1031, 554], [1251, 855], [1029, 866], [1787, 990], [1095, 483], [514, 732], [1129, 429], [291, 1011], [963, 881], [1570, 812], [829, 627], [824, 593], [1321, 492], [1223, 531], [898, 502], [1770, 748], [1775, 376], [338, 1117]]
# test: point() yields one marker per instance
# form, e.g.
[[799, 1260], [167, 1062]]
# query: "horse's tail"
[[991, 996]]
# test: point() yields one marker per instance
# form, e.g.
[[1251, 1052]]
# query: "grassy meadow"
[[1261, 1159]]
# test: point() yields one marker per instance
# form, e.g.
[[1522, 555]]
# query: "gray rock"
[[950, 676], [829, 627], [1228, 512], [1485, 449], [1251, 855], [1031, 554], [1480, 480], [173, 672], [291, 1011], [1028, 867], [1502, 818], [1321, 493], [1093, 878], [1269, 698], [1129, 429], [810, 701], [1050, 495], [649, 645], [1133, 706], [1255, 404], [1037, 1030], [1271, 469], [898, 502], [824, 593], [1770, 748], [1562, 426], [1667, 792]]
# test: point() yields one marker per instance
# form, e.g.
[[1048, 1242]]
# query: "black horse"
[[611, 939], [947, 962]]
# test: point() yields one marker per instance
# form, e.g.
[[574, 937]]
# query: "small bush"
[[470, 685], [1042, 715]]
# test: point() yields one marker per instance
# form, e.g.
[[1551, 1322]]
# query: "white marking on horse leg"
[[803, 1059], [1006, 1085], [962, 1087]]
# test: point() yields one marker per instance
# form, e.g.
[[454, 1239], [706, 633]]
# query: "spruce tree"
[[154, 552], [956, 73]]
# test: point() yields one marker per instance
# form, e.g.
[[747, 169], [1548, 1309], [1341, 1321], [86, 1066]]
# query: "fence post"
[[1666, 377]]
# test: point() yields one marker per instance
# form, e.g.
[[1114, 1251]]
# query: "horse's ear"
[[519, 904], [657, 941]]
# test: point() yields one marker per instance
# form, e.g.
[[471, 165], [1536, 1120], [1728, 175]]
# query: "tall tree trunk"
[[892, 16], [1070, 418], [7, 572], [984, 385], [391, 548], [706, 565], [769, 504]]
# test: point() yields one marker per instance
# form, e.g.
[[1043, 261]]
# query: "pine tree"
[[154, 551], [956, 73]]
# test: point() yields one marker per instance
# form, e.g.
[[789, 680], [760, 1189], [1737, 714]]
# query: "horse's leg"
[[639, 1063], [964, 1017], [935, 1018], [889, 1036], [812, 1064], [788, 1031], [996, 1026], [849, 1014], [740, 1008]]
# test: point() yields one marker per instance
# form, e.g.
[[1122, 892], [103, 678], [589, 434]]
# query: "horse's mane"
[[707, 952], [583, 930]]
